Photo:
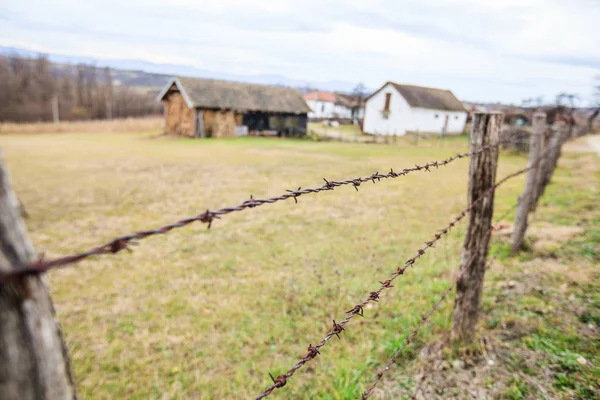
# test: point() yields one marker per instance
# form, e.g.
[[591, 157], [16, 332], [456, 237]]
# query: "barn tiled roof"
[[426, 97], [214, 94], [320, 96]]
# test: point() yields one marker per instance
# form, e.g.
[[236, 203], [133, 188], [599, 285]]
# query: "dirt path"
[[594, 142], [584, 144]]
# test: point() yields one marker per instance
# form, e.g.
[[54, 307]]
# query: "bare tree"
[[31, 88], [359, 94], [569, 99], [595, 104]]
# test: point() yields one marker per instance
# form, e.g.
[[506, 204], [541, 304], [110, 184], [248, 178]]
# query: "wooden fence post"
[[548, 140], [34, 363], [552, 152], [528, 196], [482, 176]]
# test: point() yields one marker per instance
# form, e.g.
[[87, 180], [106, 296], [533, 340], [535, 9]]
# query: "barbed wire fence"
[[21, 273]]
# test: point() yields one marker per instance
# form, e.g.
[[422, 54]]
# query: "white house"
[[327, 105], [396, 109]]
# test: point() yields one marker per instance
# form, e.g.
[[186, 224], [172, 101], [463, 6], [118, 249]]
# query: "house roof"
[[426, 97], [317, 95], [346, 100], [214, 94]]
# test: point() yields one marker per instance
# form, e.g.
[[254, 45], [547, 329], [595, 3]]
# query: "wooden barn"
[[204, 108]]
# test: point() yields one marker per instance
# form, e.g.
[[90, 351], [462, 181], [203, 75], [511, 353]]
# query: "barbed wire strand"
[[337, 328], [421, 382], [425, 318], [123, 242]]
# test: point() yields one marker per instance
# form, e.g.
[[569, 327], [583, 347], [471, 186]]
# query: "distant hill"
[[151, 76]]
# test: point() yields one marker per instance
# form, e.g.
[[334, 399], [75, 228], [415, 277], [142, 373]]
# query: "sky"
[[483, 50]]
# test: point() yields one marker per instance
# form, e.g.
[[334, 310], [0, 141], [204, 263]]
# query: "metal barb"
[[337, 329]]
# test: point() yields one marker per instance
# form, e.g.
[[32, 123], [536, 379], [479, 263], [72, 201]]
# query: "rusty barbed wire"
[[125, 241], [358, 309], [425, 317], [421, 382]]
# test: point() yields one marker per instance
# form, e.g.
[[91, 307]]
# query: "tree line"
[[36, 90]]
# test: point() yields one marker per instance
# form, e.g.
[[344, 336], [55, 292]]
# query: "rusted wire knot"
[[295, 193], [430, 243], [426, 167], [373, 296], [373, 177], [208, 217], [400, 270], [392, 173], [329, 185], [337, 329], [119, 244], [358, 310], [438, 236], [386, 284], [435, 164], [250, 203], [280, 381], [420, 252], [38, 263], [312, 351], [356, 183]]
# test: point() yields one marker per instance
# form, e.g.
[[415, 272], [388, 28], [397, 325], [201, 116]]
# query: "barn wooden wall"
[[219, 123], [179, 119]]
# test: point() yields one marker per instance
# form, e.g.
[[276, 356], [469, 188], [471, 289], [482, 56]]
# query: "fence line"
[[426, 316], [337, 328], [123, 242]]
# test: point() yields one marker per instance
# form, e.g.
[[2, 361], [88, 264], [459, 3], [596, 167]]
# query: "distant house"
[[328, 105], [209, 108], [396, 109]]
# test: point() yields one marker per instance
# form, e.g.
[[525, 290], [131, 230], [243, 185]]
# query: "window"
[[437, 115], [456, 117], [388, 98]]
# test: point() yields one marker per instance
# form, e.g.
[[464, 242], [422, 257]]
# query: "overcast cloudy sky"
[[481, 49]]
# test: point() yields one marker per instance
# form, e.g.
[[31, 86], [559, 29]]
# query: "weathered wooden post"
[[547, 139], [55, 110], [34, 363], [560, 134], [482, 176], [531, 182]]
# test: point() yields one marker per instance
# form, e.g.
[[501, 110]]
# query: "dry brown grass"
[[141, 124], [206, 313]]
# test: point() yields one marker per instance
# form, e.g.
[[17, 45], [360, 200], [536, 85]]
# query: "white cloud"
[[488, 50]]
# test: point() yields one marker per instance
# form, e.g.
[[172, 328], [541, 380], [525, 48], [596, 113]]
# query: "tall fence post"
[[482, 176], [552, 152], [549, 139], [531, 183], [34, 363]]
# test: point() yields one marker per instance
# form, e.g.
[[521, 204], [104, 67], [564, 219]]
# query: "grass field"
[[206, 313]]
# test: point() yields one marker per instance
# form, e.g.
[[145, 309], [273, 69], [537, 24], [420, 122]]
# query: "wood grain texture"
[[482, 177], [528, 197], [34, 362]]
